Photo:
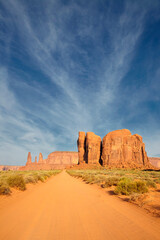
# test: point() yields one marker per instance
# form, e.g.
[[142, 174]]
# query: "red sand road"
[[66, 208]]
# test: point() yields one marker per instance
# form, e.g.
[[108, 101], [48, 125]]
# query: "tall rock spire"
[[29, 159], [40, 158]]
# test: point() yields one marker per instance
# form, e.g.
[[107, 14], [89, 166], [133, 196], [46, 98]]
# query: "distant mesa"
[[9, 167], [155, 161], [55, 160], [89, 148], [119, 149]]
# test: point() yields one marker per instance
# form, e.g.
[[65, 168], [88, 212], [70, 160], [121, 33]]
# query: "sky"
[[75, 65]]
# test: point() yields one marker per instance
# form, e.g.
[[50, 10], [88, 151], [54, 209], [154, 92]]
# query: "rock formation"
[[62, 158], [89, 148], [29, 159], [55, 160], [122, 149], [155, 161], [93, 148], [9, 167], [40, 158], [81, 147], [119, 149]]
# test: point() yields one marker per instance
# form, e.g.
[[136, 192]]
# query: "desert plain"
[[109, 189]]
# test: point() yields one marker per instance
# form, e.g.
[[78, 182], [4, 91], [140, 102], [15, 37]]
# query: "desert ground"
[[67, 208]]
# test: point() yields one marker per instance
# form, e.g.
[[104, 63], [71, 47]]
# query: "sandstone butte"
[[117, 149]]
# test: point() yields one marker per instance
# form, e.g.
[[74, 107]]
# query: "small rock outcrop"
[[89, 148], [35, 159], [122, 149]]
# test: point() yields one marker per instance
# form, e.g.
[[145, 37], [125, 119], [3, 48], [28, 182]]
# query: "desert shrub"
[[17, 181], [111, 181], [135, 197], [99, 179], [151, 183], [88, 178], [141, 187], [41, 177], [4, 189], [127, 187], [30, 179], [156, 180]]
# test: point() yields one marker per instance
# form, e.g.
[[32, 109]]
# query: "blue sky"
[[69, 66]]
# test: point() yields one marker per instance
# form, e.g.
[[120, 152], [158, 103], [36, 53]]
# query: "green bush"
[[127, 187], [17, 181]]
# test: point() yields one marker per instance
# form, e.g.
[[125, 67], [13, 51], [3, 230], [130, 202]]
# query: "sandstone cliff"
[[81, 143], [119, 149], [89, 148], [122, 149]]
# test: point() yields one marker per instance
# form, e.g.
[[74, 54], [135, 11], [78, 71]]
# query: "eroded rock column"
[[81, 147], [93, 148], [40, 158], [29, 159]]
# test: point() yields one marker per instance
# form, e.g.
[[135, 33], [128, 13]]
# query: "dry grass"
[[19, 179], [125, 181]]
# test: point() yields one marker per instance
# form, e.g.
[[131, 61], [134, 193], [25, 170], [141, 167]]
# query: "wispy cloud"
[[63, 72]]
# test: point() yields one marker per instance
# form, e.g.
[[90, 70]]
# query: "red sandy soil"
[[65, 208]]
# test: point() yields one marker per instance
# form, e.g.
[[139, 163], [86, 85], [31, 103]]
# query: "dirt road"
[[65, 208]]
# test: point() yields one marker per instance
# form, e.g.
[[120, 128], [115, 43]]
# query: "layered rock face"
[[62, 158], [89, 148], [122, 149], [93, 148], [119, 149], [81, 147]]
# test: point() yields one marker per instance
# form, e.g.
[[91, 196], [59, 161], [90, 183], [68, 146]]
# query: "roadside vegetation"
[[19, 179], [124, 182]]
